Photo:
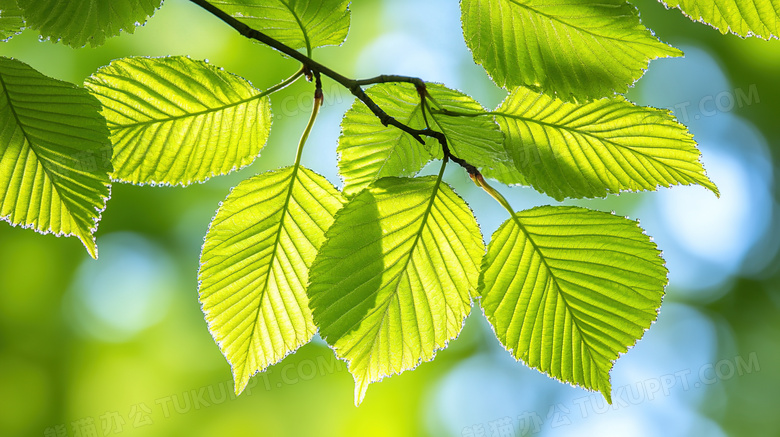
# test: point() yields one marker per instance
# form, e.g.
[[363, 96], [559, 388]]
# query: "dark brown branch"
[[354, 86]]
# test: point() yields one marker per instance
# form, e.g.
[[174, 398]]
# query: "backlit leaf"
[[741, 17], [300, 24], [177, 121], [369, 150], [577, 49], [54, 155], [78, 22], [255, 265], [393, 282], [588, 150], [11, 21], [567, 290]]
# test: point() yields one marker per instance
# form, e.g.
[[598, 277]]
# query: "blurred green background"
[[119, 346]]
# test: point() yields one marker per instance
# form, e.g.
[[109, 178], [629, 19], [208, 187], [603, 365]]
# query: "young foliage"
[[370, 150], [386, 270], [299, 24], [390, 298], [255, 264], [54, 155], [11, 21], [78, 22], [576, 49], [592, 149], [177, 121], [740, 17], [568, 289]]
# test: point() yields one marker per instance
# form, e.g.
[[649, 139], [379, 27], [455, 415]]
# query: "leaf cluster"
[[387, 268]]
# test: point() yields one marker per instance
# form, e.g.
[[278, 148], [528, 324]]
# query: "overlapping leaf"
[[578, 49], [474, 139], [741, 17], [255, 265], [300, 24], [393, 282], [11, 21], [588, 150], [176, 120], [369, 150], [78, 22], [568, 290], [54, 155]]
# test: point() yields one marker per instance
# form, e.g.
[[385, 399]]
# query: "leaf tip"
[[361, 386], [90, 244]]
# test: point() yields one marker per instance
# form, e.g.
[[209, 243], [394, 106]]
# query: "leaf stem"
[[318, 98], [482, 183], [284, 84]]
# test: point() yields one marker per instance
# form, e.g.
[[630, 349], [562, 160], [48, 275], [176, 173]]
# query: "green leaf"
[[11, 21], [741, 17], [588, 150], [369, 150], [393, 282], [477, 140], [577, 49], [54, 155], [300, 24], [177, 121], [78, 22], [567, 290], [255, 263]]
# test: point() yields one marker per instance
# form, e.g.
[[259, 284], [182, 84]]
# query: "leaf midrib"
[[397, 278], [543, 260], [572, 130], [581, 29], [119, 127], [41, 162], [271, 261]]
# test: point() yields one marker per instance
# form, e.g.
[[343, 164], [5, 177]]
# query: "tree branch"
[[353, 85]]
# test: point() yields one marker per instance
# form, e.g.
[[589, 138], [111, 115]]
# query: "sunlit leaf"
[[588, 150], [78, 22], [177, 121], [11, 21], [477, 140], [577, 49], [255, 265], [54, 155], [300, 24], [567, 290], [393, 282], [369, 150], [741, 17]]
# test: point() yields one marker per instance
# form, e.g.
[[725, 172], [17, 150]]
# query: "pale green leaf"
[[369, 150], [567, 290], [78, 22], [177, 121], [11, 21], [477, 140], [255, 264], [588, 150], [577, 49], [393, 282], [741, 17], [54, 155], [300, 24]]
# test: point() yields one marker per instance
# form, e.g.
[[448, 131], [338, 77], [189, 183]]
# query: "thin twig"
[[353, 85]]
